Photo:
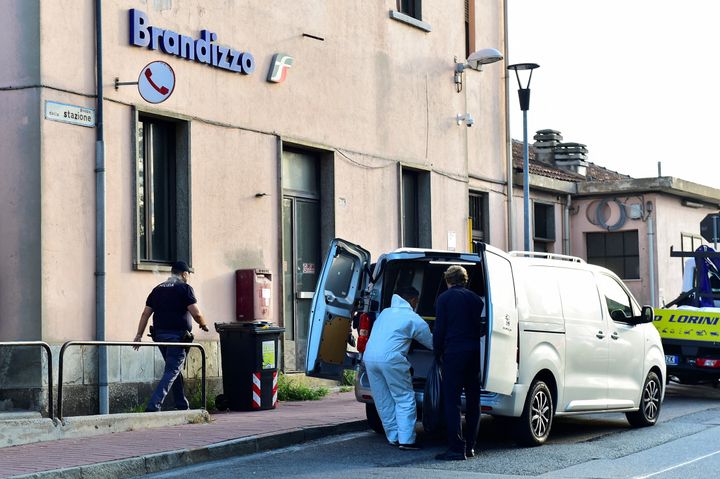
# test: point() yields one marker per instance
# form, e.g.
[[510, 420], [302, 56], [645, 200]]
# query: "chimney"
[[545, 143], [571, 157]]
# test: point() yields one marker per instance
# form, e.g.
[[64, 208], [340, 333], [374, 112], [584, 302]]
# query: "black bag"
[[433, 416]]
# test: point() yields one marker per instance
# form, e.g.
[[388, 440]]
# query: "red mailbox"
[[253, 294]]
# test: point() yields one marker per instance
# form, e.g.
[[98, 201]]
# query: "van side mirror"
[[647, 315]]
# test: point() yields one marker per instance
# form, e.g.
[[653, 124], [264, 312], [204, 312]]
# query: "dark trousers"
[[460, 371], [172, 379]]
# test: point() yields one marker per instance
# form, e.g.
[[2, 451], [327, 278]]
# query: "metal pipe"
[[508, 139], [566, 232], [103, 395], [651, 256], [526, 184]]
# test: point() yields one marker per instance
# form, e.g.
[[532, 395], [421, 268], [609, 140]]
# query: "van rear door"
[[342, 279], [500, 355]]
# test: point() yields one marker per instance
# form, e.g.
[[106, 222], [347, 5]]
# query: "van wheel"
[[373, 419], [533, 426], [649, 410]]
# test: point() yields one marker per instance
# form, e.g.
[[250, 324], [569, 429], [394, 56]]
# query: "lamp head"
[[523, 66], [482, 57]]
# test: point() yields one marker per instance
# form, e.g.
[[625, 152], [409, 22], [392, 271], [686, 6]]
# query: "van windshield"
[[426, 277]]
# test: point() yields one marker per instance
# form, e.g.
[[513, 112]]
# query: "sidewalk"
[[134, 453]]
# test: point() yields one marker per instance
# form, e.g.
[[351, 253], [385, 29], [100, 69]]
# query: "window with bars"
[[616, 251]]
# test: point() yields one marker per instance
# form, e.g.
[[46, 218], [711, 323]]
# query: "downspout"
[[508, 139], [651, 251], [100, 219], [566, 233]]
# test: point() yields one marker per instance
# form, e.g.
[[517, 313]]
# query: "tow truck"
[[689, 325]]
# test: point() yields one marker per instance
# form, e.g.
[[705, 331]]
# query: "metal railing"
[[46, 347], [122, 343]]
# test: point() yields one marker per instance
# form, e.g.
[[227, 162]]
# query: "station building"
[[232, 135]]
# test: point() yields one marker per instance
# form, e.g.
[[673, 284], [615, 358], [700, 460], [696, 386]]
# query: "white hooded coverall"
[[388, 368]]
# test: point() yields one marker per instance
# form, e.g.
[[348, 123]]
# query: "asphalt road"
[[685, 443]]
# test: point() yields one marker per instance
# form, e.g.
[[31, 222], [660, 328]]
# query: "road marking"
[[677, 466]]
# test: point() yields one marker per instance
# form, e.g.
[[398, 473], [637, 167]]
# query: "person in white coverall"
[[388, 368]]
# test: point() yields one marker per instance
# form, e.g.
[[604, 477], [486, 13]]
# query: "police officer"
[[388, 368], [171, 303], [456, 341]]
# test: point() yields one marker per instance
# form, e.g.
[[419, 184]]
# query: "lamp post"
[[524, 96]]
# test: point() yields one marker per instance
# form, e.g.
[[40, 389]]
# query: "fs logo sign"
[[279, 67]]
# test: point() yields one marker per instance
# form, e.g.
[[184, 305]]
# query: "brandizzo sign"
[[202, 50]]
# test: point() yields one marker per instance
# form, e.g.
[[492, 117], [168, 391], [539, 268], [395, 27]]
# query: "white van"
[[565, 337]]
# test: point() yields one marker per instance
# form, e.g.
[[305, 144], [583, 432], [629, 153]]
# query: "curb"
[[152, 463]]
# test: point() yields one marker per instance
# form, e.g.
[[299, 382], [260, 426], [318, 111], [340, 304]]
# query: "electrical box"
[[253, 295]]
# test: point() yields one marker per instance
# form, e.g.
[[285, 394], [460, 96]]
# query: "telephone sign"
[[156, 82]]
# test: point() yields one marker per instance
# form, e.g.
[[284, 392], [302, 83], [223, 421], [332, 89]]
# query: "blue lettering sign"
[[202, 50]]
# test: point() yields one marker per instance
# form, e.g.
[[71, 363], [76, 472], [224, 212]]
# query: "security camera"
[[467, 118]]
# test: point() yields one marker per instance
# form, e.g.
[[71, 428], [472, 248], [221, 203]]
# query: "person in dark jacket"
[[171, 303], [456, 342]]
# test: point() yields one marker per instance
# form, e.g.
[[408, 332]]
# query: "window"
[[616, 298], [162, 191], [411, 8], [617, 251], [415, 209], [410, 13], [543, 226], [478, 213]]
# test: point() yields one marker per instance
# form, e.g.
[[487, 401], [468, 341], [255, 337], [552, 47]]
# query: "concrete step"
[[19, 414], [37, 429]]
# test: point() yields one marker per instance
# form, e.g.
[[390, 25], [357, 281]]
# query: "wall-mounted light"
[[475, 61], [691, 204], [467, 118]]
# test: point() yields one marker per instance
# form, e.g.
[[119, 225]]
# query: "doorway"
[[301, 225]]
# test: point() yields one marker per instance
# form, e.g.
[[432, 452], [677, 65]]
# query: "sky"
[[636, 81]]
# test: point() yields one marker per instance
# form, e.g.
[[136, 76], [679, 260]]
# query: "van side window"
[[340, 276], [542, 292], [616, 298], [502, 286], [580, 298]]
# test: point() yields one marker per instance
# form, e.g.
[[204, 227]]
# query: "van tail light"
[[363, 331], [707, 363]]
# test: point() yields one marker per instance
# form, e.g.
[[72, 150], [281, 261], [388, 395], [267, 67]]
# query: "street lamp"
[[524, 96]]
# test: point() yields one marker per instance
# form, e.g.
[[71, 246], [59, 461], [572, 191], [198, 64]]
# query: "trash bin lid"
[[255, 327]]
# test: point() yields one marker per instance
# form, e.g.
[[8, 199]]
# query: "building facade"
[[628, 225], [237, 134]]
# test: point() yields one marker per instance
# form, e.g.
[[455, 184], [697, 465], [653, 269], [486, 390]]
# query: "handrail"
[[46, 347], [122, 343]]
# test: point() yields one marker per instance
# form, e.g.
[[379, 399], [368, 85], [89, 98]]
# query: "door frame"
[[326, 162]]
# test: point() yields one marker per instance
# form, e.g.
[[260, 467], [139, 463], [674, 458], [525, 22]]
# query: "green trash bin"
[[249, 353]]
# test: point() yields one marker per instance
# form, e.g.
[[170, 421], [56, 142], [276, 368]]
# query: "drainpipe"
[[508, 139], [100, 220], [566, 233], [651, 251]]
